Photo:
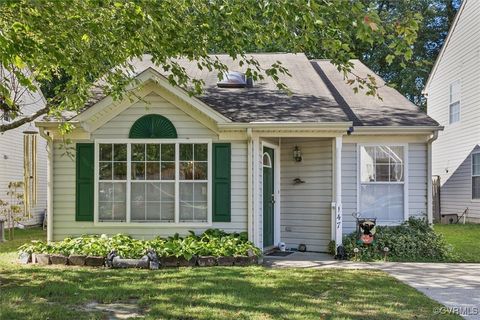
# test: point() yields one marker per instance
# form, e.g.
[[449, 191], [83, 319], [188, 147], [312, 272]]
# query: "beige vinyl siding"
[[11, 158], [417, 182], [417, 179], [306, 208], [349, 185], [187, 127], [460, 61]]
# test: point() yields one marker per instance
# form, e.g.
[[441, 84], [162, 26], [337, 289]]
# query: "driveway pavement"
[[455, 285]]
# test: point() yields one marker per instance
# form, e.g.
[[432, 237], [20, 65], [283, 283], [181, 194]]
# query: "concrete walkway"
[[455, 285]]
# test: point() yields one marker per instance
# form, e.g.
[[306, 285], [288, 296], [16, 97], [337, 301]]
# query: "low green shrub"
[[212, 242], [414, 240]]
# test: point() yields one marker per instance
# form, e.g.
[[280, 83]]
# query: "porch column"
[[338, 191], [256, 192]]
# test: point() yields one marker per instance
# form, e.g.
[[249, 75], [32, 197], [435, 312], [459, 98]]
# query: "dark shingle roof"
[[319, 94]]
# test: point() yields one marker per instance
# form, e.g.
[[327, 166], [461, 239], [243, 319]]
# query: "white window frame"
[[150, 224], [451, 103], [473, 175], [405, 179]]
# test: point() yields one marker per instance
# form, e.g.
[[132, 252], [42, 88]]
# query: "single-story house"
[[243, 156]]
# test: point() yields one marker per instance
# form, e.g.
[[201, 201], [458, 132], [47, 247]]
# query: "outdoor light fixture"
[[297, 154]]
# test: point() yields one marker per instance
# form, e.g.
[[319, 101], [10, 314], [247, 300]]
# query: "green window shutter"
[[221, 182], [84, 182]]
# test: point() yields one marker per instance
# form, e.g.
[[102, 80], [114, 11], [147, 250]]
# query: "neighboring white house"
[[12, 157], [454, 101], [242, 156]]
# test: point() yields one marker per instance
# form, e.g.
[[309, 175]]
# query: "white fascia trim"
[[394, 129], [341, 126]]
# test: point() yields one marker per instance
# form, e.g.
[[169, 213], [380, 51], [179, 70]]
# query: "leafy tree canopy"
[[69, 45], [410, 76]]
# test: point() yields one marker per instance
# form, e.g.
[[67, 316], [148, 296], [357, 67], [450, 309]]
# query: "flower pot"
[[225, 261], [25, 258], [58, 259], [93, 261], [41, 258], [169, 261], [76, 260], [182, 262], [206, 261]]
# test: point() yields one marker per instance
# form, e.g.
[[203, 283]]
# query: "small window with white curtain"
[[476, 175], [454, 106], [382, 182]]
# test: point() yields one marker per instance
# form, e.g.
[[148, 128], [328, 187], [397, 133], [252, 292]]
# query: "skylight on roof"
[[233, 79]]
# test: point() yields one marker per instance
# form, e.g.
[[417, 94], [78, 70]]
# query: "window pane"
[[153, 152], [382, 172], [138, 191], [120, 152], [153, 170], [200, 153], [186, 211], [367, 155], [119, 211], [382, 201], [119, 171], [105, 171], [153, 211], [186, 191], [138, 152], [455, 90], [200, 170], [186, 170], [200, 192], [455, 112], [105, 191], [137, 211], [396, 163], [168, 170], [105, 152], [105, 211], [476, 164], [475, 187], [168, 152], [167, 192], [200, 211], [168, 211], [382, 155], [119, 191], [153, 191], [138, 170], [186, 152]]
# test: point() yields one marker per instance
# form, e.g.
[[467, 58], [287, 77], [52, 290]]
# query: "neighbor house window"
[[153, 182], [476, 176], [382, 182], [454, 106]]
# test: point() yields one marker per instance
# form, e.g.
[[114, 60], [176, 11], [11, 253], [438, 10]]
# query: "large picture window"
[[161, 182], [475, 175], [382, 182]]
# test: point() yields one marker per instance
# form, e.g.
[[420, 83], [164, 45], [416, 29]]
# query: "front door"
[[268, 196]]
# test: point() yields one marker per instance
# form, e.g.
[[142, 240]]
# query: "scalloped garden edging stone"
[[93, 261], [41, 258], [58, 259], [76, 260], [206, 261]]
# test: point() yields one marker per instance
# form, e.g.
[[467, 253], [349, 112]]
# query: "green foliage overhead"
[[410, 76], [67, 46]]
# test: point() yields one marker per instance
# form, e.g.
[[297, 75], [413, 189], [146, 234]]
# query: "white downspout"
[[338, 192], [249, 186], [429, 178], [49, 139]]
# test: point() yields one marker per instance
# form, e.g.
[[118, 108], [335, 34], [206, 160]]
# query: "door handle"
[[273, 198]]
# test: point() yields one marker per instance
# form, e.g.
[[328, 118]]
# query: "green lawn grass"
[[34, 292], [464, 238]]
